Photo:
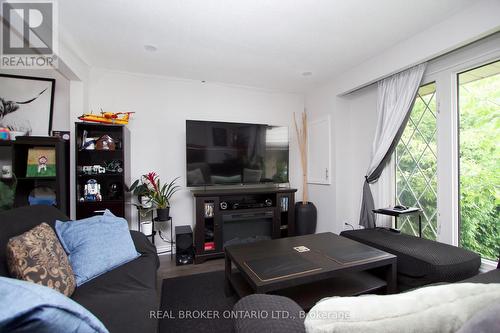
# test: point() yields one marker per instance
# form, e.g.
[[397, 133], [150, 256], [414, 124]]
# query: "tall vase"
[[305, 218]]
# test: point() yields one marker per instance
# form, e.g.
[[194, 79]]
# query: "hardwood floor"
[[168, 269]]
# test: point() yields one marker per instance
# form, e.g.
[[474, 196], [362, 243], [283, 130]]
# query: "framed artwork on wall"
[[41, 162], [26, 104]]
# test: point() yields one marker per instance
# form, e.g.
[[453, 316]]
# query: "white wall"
[[468, 25], [61, 116], [353, 124], [354, 114], [162, 106]]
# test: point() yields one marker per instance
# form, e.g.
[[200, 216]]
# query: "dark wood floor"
[[168, 269]]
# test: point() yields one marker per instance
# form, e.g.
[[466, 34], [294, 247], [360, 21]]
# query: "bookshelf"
[[59, 183], [110, 169]]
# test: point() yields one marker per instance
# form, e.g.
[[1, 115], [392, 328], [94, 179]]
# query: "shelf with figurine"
[[110, 118], [92, 191], [107, 168], [38, 172], [102, 168]]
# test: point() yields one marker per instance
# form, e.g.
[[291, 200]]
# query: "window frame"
[[444, 72]]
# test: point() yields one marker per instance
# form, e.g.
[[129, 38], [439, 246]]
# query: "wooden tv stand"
[[274, 204]]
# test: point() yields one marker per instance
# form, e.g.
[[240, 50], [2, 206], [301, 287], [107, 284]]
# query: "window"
[[461, 99], [479, 159], [416, 164]]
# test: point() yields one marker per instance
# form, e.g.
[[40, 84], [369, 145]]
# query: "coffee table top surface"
[[279, 263]]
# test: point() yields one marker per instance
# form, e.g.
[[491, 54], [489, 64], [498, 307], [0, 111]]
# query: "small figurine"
[[92, 191], [87, 169], [97, 169], [120, 118], [87, 142], [92, 169], [105, 142], [114, 166], [114, 190]]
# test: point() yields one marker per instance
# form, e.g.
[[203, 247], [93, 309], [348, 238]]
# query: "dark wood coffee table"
[[332, 265]]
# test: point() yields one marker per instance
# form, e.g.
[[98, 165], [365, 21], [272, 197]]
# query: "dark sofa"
[[486, 320], [122, 298]]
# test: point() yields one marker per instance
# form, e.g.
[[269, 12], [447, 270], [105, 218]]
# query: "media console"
[[234, 216]]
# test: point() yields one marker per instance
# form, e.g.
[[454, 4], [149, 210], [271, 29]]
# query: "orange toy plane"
[[120, 118]]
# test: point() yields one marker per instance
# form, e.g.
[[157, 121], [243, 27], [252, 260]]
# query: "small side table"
[[153, 232], [397, 213]]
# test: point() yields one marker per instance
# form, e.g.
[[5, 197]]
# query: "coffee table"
[[308, 268]]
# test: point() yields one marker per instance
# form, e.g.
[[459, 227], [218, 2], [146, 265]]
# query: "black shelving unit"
[[144, 211], [59, 183], [6, 154], [85, 157]]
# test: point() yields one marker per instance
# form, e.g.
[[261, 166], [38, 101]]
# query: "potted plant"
[[159, 195], [7, 193], [305, 211], [140, 189]]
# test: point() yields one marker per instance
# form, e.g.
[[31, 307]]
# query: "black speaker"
[[184, 249]]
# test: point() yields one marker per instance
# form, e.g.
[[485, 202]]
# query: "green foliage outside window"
[[479, 141], [479, 105]]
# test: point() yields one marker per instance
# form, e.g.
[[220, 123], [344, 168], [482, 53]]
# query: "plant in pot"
[[140, 189], [7, 194], [160, 195], [305, 212]]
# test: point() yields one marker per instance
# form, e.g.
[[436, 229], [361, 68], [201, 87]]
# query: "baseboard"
[[161, 249], [487, 265]]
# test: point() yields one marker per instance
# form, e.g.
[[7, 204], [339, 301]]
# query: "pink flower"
[[151, 177]]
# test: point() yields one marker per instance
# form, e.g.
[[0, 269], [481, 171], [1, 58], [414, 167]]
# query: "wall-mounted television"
[[221, 153]]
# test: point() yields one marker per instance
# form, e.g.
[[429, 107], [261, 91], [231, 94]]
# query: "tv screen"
[[220, 153]]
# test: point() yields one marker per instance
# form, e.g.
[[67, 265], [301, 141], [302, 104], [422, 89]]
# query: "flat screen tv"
[[220, 153]]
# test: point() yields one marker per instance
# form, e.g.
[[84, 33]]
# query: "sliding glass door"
[[479, 159]]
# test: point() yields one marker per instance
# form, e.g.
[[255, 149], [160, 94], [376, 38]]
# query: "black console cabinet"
[[268, 211]]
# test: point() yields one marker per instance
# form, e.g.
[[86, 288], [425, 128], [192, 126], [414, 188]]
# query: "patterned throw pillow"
[[37, 256]]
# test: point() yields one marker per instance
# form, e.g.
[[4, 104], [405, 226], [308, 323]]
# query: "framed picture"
[[26, 104], [41, 162]]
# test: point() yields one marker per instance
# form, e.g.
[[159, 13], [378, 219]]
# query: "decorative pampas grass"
[[302, 140]]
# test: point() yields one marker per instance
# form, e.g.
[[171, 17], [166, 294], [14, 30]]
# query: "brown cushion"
[[37, 256]]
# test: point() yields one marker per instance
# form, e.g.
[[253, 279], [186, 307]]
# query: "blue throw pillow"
[[96, 245], [29, 307]]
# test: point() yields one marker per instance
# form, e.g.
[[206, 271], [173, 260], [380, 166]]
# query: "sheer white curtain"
[[396, 95]]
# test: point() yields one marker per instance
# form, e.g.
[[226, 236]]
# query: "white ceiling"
[[261, 43]]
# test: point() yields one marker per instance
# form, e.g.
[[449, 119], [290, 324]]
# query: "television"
[[222, 153]]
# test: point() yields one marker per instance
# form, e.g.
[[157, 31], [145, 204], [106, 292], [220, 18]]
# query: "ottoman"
[[420, 261]]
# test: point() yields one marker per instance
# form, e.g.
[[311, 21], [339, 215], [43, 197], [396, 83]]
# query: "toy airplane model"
[[120, 118]]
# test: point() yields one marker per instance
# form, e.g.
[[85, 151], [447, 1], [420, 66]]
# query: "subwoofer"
[[184, 249]]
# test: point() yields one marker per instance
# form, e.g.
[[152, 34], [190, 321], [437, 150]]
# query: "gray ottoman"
[[268, 313], [420, 261]]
